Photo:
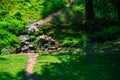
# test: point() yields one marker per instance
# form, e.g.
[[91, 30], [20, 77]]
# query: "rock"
[[42, 42], [47, 43], [24, 49], [42, 36], [17, 50], [27, 43], [31, 47], [52, 42], [52, 48], [23, 38], [33, 27]]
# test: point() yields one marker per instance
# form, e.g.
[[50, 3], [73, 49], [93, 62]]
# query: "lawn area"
[[43, 60], [94, 62], [99, 62], [12, 66]]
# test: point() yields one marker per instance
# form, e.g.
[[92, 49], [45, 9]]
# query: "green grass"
[[78, 67], [43, 60], [99, 62], [95, 62], [12, 66]]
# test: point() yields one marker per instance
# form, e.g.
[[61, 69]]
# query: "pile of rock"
[[47, 43], [26, 46]]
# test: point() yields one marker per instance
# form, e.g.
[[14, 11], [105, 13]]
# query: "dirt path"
[[31, 63], [29, 73], [35, 25]]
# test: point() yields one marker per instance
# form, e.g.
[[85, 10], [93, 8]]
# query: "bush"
[[8, 39], [107, 33], [32, 38], [18, 15]]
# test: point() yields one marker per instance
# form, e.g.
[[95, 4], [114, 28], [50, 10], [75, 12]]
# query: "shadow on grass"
[[2, 58], [93, 65], [9, 76]]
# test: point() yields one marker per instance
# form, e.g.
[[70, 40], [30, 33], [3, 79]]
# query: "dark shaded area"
[[2, 58], [30, 77], [99, 63], [73, 25], [5, 76], [9, 76]]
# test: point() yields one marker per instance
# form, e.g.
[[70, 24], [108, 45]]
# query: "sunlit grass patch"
[[47, 58], [12, 66], [44, 60]]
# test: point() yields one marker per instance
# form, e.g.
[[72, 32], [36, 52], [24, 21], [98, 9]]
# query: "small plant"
[[5, 51], [84, 40], [32, 38]]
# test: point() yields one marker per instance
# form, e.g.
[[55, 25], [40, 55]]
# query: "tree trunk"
[[118, 10], [89, 12]]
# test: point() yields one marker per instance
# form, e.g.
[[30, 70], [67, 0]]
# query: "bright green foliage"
[[15, 15], [32, 38], [12, 67], [6, 38]]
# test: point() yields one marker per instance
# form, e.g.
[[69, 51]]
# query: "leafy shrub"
[[3, 13], [32, 38], [8, 39], [12, 26], [108, 33], [18, 15]]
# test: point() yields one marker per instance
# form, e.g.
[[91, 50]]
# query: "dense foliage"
[[15, 15], [70, 27]]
